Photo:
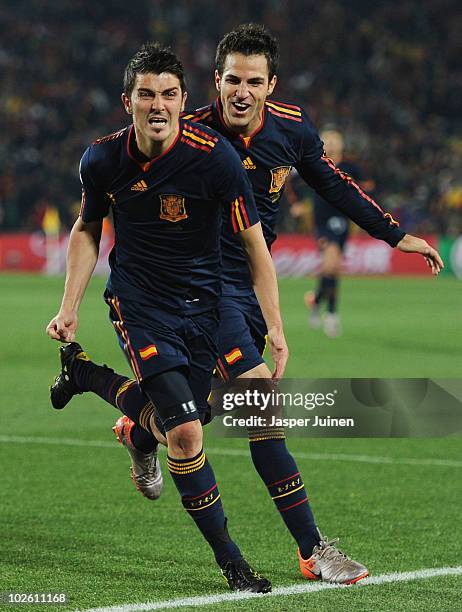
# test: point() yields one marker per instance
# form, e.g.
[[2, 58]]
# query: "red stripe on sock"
[[201, 495], [293, 505], [283, 480]]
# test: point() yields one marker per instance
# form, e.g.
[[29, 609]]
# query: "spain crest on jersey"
[[278, 178], [172, 207]]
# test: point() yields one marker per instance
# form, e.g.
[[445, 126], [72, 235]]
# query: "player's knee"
[[331, 270], [185, 439]]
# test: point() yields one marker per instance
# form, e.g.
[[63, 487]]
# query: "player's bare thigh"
[[259, 371]]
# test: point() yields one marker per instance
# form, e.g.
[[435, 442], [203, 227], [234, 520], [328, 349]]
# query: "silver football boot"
[[329, 564], [146, 472]]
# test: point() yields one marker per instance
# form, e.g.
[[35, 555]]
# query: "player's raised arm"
[[340, 190], [82, 255], [266, 289]]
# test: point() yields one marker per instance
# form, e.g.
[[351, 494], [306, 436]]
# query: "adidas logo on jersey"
[[139, 186], [248, 164]]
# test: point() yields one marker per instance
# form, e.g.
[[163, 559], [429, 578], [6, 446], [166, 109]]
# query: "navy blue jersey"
[[287, 139], [167, 214]]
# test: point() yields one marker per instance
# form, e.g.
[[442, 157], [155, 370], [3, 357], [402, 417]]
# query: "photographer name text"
[[259, 421]]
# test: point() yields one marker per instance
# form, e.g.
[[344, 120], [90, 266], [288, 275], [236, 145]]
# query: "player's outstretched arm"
[[413, 244], [266, 289], [82, 255]]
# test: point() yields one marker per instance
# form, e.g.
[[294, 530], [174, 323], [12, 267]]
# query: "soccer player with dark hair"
[[270, 138], [169, 182]]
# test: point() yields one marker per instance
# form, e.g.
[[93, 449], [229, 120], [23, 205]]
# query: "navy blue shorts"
[[241, 336], [333, 229], [155, 341]]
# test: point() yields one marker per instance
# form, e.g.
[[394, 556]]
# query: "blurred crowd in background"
[[387, 74]]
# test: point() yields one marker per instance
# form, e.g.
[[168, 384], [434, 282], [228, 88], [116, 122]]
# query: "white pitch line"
[[348, 457], [237, 452], [57, 441], [293, 589]]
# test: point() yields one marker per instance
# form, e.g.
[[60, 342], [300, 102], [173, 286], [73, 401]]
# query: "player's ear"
[[217, 80], [183, 102], [127, 103], [272, 85]]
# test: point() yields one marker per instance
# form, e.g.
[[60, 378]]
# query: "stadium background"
[[389, 75], [390, 79]]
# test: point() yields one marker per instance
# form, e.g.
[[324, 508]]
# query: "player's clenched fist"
[[279, 351], [62, 327]]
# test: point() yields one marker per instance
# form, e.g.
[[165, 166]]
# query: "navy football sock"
[[122, 393], [279, 472], [331, 293], [321, 291], [143, 440], [103, 381], [132, 401], [195, 481]]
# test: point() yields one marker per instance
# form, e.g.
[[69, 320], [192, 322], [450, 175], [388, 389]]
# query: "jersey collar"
[[139, 158], [246, 140]]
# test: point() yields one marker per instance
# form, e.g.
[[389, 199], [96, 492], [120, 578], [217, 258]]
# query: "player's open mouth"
[[240, 107], [157, 121]]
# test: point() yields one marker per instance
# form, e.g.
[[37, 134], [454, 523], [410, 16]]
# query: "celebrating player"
[[270, 138], [167, 181]]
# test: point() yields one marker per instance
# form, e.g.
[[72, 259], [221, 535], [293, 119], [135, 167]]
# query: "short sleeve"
[[95, 201]]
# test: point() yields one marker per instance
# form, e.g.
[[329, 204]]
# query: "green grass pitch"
[[71, 520]]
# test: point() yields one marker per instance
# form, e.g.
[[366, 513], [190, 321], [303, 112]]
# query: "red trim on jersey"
[[145, 166], [233, 217], [243, 210], [112, 136], [297, 108], [199, 118], [200, 133], [197, 114], [195, 145], [223, 372], [273, 112], [245, 139], [347, 178], [123, 332]]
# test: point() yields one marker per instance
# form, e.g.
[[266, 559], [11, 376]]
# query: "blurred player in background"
[[270, 138], [168, 183], [332, 229]]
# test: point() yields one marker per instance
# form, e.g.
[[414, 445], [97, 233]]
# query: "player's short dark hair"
[[249, 39], [152, 57]]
